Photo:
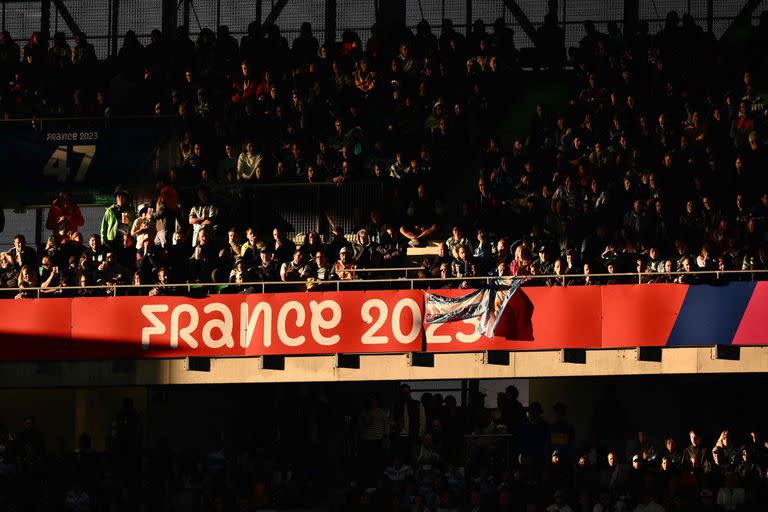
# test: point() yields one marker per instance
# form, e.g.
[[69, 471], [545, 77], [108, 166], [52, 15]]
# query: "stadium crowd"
[[415, 456], [655, 165]]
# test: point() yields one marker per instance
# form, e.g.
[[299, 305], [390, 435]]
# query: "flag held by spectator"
[[488, 303]]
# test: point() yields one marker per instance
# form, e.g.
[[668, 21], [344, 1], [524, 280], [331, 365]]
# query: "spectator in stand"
[[21, 254], [268, 268], [422, 216], [204, 214], [9, 274], [64, 217], [144, 226], [117, 220], [293, 270], [282, 248], [522, 263], [204, 259], [365, 252], [248, 163], [344, 267]]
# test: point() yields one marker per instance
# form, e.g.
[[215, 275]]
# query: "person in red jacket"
[[244, 86], [64, 217]]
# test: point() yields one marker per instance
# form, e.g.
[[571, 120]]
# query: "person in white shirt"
[[247, 163]]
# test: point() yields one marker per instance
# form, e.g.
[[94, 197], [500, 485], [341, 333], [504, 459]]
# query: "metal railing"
[[394, 283]]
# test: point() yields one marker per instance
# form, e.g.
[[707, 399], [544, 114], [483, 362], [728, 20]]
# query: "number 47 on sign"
[[59, 164]]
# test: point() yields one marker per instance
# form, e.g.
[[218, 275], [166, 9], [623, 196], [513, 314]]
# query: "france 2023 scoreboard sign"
[[94, 158], [536, 318]]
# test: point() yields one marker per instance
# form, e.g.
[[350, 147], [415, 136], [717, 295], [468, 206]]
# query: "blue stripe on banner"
[[710, 315]]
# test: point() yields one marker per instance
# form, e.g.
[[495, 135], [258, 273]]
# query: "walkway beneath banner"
[[383, 367]]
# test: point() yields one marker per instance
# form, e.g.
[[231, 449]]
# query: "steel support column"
[[170, 18], [115, 18], [45, 22], [185, 14], [521, 18], [710, 15], [631, 15], [330, 21], [66, 16], [744, 14], [468, 17], [275, 12]]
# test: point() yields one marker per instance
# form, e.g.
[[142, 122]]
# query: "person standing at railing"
[[64, 217]]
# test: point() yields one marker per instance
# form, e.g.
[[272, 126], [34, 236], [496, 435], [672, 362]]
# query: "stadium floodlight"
[[197, 364], [496, 357], [573, 355], [351, 361], [272, 362], [650, 354], [726, 352], [423, 359]]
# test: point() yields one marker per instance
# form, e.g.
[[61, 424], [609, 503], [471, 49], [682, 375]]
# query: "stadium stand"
[[650, 170], [653, 165]]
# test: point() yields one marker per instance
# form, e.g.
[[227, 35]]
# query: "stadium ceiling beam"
[[521, 18], [66, 16], [275, 12], [744, 14]]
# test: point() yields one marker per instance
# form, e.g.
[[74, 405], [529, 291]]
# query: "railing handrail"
[[123, 117], [410, 280]]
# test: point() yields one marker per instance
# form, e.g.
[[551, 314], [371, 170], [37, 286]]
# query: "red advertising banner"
[[247, 325], [536, 318], [35, 329]]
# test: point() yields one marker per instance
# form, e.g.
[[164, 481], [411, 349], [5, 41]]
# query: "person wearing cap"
[[143, 227], [118, 218], [267, 269], [543, 265], [344, 265]]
